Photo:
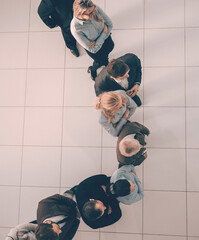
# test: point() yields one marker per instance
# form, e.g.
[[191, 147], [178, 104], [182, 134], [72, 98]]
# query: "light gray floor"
[[50, 138]]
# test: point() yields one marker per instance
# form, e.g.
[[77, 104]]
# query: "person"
[[130, 144], [24, 231], [116, 108], [97, 208], [57, 218], [123, 73], [91, 27], [126, 185], [59, 13]]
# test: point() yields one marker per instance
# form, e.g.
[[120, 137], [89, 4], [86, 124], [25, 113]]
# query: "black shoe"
[[93, 72], [75, 52], [137, 100]]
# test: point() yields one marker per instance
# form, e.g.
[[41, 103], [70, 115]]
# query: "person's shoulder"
[[103, 75]]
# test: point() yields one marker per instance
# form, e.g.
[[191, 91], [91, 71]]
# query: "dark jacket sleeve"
[[99, 179], [108, 219], [45, 10]]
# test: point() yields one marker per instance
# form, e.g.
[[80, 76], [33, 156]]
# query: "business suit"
[[58, 13], [104, 83], [140, 131], [59, 205]]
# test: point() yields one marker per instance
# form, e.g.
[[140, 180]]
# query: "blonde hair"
[[81, 6], [110, 103]]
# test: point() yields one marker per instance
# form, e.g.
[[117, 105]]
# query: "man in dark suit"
[[57, 218], [123, 73], [59, 13]]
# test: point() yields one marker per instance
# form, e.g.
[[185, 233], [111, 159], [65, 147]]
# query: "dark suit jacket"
[[59, 205], [140, 131], [91, 188], [104, 83], [56, 12]]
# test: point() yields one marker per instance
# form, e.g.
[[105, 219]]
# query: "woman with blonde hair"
[[91, 27], [116, 108]]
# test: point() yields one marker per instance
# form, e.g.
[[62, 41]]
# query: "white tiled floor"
[[50, 136]]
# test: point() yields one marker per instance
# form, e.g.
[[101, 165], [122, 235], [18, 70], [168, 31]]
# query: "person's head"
[[118, 69], [47, 231], [110, 103], [129, 146], [93, 209], [123, 187], [85, 10]]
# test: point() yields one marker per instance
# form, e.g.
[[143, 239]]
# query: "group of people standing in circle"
[[96, 200]]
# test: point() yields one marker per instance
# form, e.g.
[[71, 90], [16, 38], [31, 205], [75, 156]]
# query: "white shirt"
[[124, 83]]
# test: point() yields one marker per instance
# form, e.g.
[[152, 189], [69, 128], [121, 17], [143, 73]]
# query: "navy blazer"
[[104, 83], [56, 12], [59, 205]]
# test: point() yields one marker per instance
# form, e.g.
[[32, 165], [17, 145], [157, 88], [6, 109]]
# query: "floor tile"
[[165, 213], [131, 13], [30, 197], [79, 91], [192, 210], [192, 130], [11, 125], [164, 47], [15, 46], [164, 87], [43, 126], [192, 170], [159, 237], [9, 203], [12, 10], [127, 224], [50, 48], [119, 236], [157, 12], [12, 87], [41, 160], [192, 38], [86, 235], [45, 87], [131, 42], [4, 232], [78, 135], [191, 14], [167, 127], [80, 163], [192, 86], [164, 169], [10, 165]]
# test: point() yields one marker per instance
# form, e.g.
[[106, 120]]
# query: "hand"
[[133, 90], [132, 173], [92, 44], [105, 29], [126, 114], [145, 155], [109, 210], [103, 187]]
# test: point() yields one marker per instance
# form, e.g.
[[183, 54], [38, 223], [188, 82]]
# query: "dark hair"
[[44, 231], [121, 188], [90, 212], [117, 68]]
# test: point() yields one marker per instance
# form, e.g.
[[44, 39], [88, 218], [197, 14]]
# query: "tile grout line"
[[24, 115]]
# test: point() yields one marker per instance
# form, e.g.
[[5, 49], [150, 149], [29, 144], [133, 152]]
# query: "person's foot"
[[93, 72], [75, 52]]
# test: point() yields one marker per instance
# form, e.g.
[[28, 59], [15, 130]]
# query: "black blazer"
[[56, 12], [104, 83], [91, 188], [59, 205]]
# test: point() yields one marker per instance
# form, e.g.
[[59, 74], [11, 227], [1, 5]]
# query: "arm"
[[131, 105], [45, 11], [140, 193], [99, 179], [107, 20], [24, 228]]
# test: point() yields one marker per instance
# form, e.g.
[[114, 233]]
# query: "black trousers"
[[101, 57], [68, 37]]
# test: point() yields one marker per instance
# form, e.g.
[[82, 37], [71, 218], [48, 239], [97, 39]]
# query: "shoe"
[[75, 52], [137, 100], [93, 72]]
